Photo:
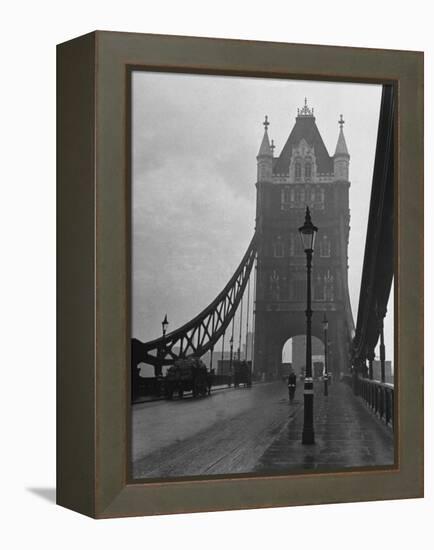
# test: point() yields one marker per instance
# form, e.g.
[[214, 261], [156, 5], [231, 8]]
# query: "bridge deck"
[[256, 430], [347, 435]]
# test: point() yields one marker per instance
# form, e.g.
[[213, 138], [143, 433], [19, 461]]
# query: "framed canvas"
[[240, 274]]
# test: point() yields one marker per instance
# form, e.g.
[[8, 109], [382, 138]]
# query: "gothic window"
[[292, 241], [274, 286], [318, 288], [284, 289], [278, 248], [286, 197], [298, 246], [329, 287], [300, 290], [308, 170], [292, 289], [325, 247], [312, 196], [298, 170]]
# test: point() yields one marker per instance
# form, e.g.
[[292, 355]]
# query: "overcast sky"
[[195, 141]]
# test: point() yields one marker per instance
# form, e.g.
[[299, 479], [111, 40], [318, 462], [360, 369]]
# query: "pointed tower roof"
[[304, 128], [265, 149], [341, 146]]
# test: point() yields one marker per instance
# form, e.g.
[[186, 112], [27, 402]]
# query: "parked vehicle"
[[242, 373], [187, 375]]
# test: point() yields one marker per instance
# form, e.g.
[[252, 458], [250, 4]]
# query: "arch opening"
[[294, 356]]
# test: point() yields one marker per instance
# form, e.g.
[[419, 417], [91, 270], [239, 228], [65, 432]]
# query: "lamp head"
[[308, 232], [164, 323]]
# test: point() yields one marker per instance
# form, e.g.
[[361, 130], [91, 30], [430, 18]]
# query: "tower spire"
[[341, 157], [341, 145], [266, 123], [265, 150], [265, 156]]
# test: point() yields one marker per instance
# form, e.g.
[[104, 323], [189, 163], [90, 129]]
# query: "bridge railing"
[[379, 396]]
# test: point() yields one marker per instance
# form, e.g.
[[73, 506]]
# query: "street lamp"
[[307, 234], [164, 324], [325, 326], [231, 342]]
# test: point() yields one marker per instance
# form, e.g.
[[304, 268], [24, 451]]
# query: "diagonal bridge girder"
[[200, 334]]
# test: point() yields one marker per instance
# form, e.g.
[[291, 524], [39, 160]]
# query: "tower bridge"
[[271, 277], [303, 175]]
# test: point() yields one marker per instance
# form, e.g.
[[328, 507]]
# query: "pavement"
[[256, 429], [347, 435]]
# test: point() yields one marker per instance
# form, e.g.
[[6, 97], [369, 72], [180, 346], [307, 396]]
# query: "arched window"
[[308, 170], [274, 286], [291, 288], [284, 289], [292, 240], [302, 195], [278, 248], [297, 195], [313, 196], [300, 290], [286, 197], [318, 288], [325, 247], [298, 247], [297, 170], [329, 287]]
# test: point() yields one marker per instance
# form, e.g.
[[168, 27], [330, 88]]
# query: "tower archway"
[[294, 356]]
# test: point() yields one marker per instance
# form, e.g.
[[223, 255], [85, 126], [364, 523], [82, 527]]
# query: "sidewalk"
[[347, 435]]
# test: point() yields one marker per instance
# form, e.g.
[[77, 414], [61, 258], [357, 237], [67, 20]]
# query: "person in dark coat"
[[292, 383]]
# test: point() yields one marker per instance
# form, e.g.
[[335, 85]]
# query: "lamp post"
[[231, 342], [308, 233], [164, 324], [325, 326]]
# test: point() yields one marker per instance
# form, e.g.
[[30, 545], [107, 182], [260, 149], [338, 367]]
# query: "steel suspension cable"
[[241, 328], [247, 317], [232, 341], [254, 311]]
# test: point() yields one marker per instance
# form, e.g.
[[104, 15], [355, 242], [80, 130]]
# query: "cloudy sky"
[[195, 141]]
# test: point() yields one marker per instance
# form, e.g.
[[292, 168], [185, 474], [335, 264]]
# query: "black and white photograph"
[[262, 295], [216, 240]]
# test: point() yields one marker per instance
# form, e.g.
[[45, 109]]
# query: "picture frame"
[[94, 232]]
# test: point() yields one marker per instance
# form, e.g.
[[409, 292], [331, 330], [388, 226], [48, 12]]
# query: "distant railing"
[[378, 396]]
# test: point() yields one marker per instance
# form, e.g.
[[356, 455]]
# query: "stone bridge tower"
[[303, 175]]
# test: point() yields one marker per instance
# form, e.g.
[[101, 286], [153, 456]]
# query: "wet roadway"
[[244, 430]]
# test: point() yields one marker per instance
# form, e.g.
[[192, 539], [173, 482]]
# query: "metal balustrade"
[[380, 397]]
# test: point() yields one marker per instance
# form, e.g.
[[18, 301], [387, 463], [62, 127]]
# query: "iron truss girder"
[[200, 334]]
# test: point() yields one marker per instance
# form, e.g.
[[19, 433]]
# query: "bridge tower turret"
[[265, 156], [304, 174], [341, 159]]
